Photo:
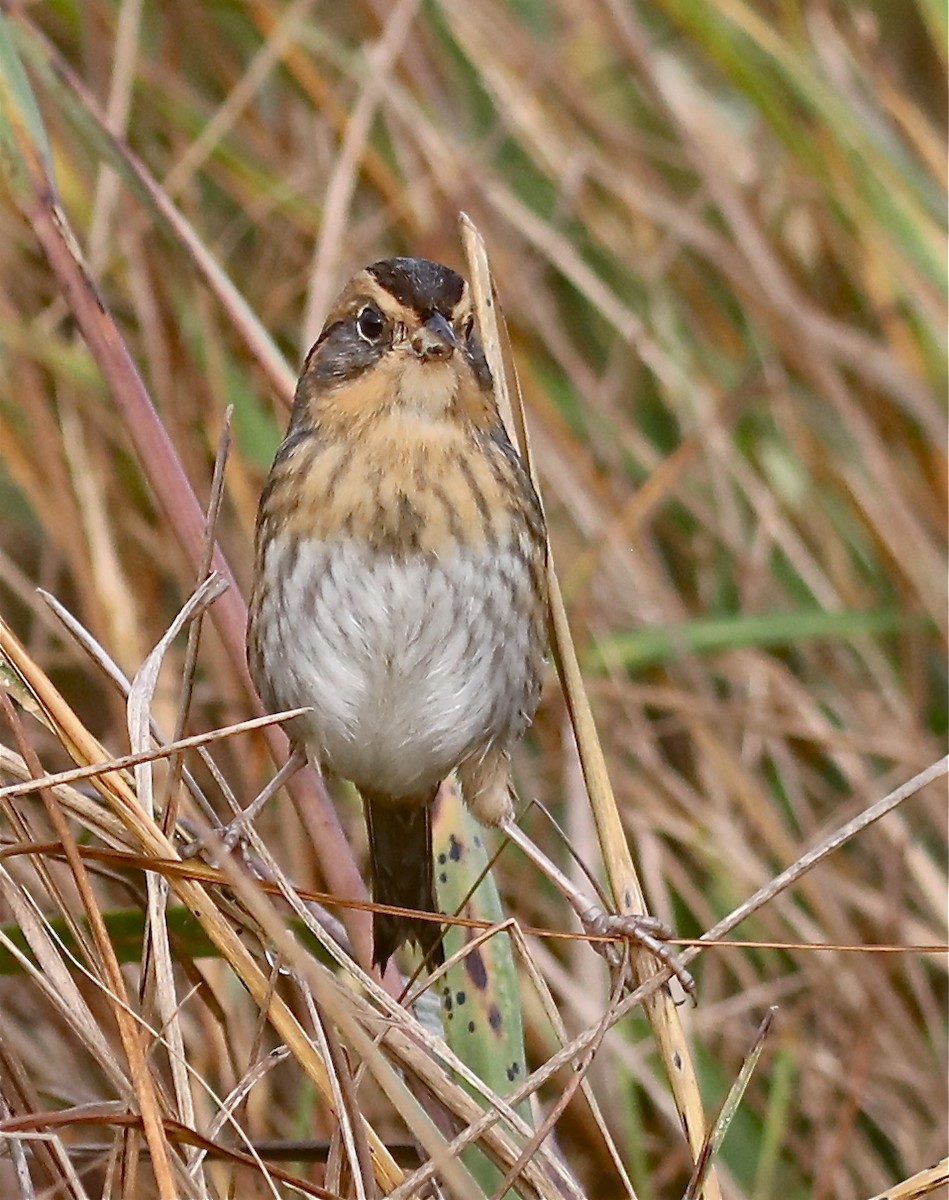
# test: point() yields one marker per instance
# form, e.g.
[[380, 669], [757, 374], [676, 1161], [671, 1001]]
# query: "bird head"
[[400, 337]]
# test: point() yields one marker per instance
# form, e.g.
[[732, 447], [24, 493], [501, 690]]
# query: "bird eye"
[[370, 324]]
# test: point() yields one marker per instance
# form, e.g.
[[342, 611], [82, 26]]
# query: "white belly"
[[409, 666]]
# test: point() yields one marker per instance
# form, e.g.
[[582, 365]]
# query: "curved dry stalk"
[[624, 882]]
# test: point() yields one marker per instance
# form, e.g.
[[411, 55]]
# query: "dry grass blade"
[[828, 845], [716, 1134], [145, 756], [54, 977], [923, 1183], [139, 719], [624, 882], [88, 811]]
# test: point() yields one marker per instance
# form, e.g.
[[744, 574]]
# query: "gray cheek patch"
[[341, 354]]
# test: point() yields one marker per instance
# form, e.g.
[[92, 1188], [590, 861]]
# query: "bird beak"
[[435, 339]]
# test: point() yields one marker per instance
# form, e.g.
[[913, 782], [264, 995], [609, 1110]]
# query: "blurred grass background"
[[718, 232]]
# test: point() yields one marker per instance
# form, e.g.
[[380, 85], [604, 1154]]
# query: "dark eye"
[[370, 324]]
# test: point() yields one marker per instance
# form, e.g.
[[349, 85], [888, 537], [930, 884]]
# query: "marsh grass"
[[717, 231]]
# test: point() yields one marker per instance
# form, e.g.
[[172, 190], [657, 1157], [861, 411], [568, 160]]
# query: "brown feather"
[[400, 845]]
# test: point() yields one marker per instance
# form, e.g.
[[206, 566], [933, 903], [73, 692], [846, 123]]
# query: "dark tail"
[[400, 843]]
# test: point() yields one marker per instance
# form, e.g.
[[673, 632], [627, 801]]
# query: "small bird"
[[400, 574]]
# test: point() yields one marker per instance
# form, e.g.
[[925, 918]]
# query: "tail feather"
[[400, 845]]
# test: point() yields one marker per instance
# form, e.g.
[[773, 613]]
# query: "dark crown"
[[419, 284]]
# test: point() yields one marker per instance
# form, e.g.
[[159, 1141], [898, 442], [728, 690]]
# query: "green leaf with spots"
[[481, 1010]]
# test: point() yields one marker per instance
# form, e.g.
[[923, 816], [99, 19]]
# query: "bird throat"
[[430, 388]]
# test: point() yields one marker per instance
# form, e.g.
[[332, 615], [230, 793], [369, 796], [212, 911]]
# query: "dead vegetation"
[[717, 231]]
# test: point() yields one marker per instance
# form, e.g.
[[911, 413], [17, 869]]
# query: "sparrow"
[[399, 584]]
